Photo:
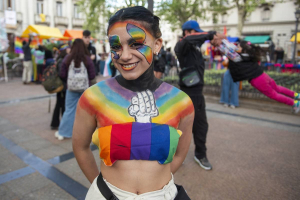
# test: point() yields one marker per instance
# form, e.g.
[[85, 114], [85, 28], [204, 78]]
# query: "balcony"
[[58, 20], [38, 20], [19, 17], [77, 22]]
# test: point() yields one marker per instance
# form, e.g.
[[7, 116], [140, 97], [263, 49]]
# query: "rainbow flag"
[[18, 43]]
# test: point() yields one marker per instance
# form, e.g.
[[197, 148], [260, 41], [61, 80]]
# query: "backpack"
[[51, 81], [78, 80]]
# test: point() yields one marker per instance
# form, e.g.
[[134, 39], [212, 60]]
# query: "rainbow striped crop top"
[[136, 141], [136, 125]]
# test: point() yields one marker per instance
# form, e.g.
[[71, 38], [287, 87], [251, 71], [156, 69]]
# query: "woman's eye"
[[135, 45], [116, 47]]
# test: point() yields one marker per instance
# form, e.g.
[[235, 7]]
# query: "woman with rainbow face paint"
[[141, 125]]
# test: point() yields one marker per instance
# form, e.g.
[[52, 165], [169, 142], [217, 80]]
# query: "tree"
[[135, 2], [176, 12], [150, 5], [92, 10], [245, 8]]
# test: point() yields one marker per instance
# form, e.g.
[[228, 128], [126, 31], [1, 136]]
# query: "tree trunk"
[[150, 5], [241, 20]]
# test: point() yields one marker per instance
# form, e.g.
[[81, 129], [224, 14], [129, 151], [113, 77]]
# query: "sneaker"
[[296, 106], [225, 105], [59, 137], [232, 106], [204, 163], [297, 96]]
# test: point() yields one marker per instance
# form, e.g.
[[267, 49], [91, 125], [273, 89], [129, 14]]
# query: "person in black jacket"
[[59, 108], [92, 50], [189, 55]]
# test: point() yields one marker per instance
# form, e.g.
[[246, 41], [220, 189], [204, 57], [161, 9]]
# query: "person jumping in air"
[[243, 65]]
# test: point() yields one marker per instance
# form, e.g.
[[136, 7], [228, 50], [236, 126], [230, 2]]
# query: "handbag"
[[189, 77]]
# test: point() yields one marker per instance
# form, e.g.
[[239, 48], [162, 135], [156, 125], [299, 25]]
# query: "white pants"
[[27, 71], [168, 192]]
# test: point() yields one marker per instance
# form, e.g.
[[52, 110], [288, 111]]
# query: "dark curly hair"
[[253, 51], [140, 14], [79, 53]]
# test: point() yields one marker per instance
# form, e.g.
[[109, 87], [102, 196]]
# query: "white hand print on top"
[[143, 107]]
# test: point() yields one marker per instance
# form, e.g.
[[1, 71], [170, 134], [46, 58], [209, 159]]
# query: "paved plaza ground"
[[255, 154]]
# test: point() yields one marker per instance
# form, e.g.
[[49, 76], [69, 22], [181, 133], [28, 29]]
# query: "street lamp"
[[297, 15]]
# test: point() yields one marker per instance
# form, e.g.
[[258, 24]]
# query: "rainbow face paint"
[[120, 136], [115, 45], [139, 36], [138, 39]]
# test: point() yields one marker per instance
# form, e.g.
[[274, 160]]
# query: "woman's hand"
[[217, 40]]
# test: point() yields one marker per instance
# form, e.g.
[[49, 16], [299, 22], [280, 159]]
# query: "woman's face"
[[132, 48]]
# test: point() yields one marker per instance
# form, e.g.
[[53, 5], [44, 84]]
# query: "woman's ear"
[[157, 45]]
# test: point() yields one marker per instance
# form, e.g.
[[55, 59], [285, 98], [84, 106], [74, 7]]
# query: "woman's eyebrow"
[[131, 40]]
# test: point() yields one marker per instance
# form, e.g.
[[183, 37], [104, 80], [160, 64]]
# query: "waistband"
[[169, 191]]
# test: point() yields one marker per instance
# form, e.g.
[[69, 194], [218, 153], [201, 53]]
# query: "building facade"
[[62, 14]]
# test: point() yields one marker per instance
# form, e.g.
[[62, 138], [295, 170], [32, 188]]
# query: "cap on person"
[[191, 24]]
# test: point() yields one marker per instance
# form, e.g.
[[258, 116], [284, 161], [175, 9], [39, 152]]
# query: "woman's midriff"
[[137, 176]]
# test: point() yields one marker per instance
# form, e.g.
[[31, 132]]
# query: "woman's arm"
[[84, 127], [186, 126]]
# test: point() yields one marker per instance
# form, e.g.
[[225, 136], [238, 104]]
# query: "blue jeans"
[[66, 124], [227, 86]]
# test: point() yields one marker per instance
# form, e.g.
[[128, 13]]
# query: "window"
[[266, 14], [39, 7], [8, 4], [224, 18], [76, 11], [59, 9]]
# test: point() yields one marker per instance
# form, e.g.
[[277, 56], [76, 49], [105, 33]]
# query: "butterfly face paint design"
[[139, 36], [115, 45]]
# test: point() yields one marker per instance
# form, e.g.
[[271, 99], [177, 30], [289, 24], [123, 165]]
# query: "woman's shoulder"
[[102, 85], [167, 89]]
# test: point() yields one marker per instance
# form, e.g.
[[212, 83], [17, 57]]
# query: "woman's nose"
[[126, 54]]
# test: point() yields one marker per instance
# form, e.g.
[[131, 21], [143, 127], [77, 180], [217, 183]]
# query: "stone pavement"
[[255, 154]]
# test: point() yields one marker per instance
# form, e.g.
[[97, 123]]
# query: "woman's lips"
[[129, 67]]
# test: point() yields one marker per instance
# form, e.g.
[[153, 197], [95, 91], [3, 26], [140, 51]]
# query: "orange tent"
[[73, 34]]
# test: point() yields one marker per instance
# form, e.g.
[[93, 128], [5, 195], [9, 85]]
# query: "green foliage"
[[12, 55], [130, 3], [92, 9], [50, 46], [213, 78], [176, 12]]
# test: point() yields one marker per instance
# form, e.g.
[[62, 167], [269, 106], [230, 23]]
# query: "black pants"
[[59, 108], [200, 126], [40, 69]]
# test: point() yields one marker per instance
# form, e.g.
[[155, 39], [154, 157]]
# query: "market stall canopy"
[[259, 39], [233, 39], [73, 34], [298, 38], [43, 32]]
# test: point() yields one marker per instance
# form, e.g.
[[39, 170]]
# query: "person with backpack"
[[64, 50], [77, 70]]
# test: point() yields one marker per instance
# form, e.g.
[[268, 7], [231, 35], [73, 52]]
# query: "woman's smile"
[[130, 66]]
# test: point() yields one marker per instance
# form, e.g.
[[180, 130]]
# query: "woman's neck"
[[146, 81]]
